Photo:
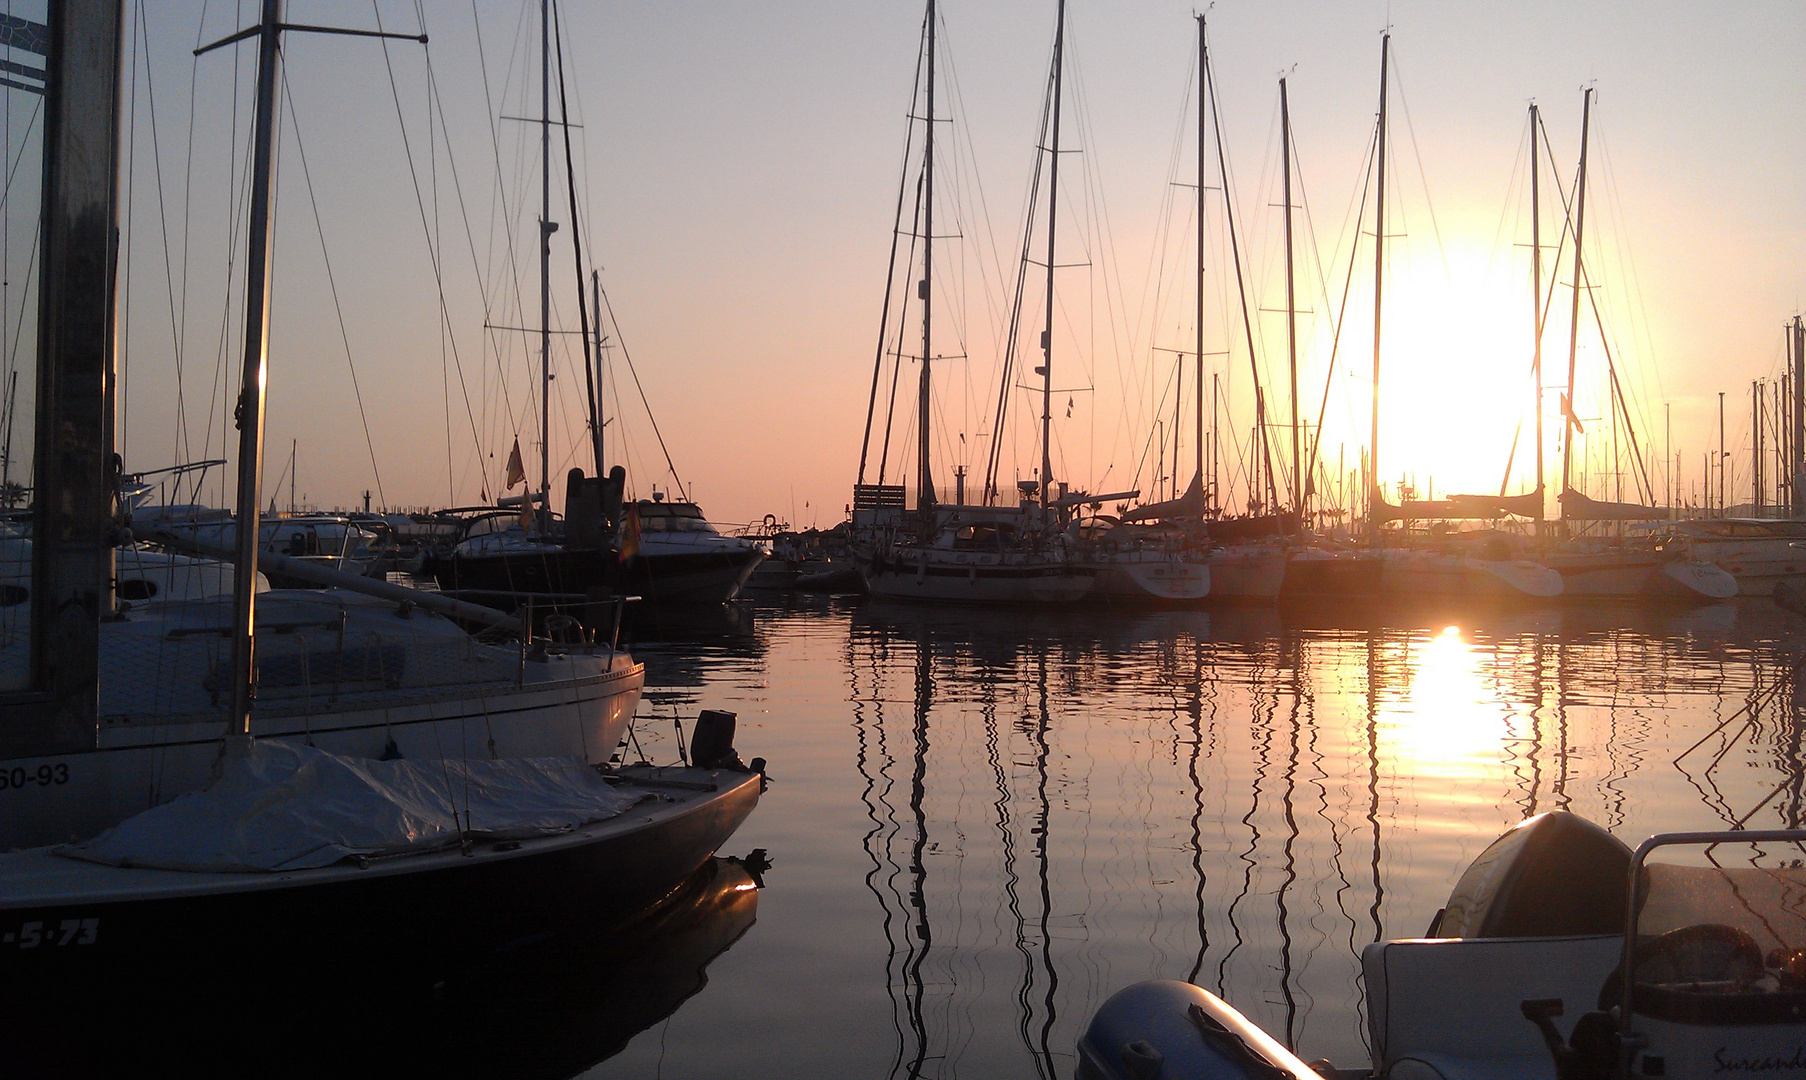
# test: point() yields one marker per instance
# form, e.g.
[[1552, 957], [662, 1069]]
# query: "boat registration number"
[[40, 934], [46, 775]]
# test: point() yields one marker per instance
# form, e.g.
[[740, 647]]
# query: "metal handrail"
[[1627, 1044]]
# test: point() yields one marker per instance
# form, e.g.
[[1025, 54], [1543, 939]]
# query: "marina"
[[1291, 609]]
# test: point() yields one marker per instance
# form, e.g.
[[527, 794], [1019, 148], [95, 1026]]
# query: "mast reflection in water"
[[988, 821]]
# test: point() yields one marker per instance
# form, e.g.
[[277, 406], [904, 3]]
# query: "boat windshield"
[[1722, 942]]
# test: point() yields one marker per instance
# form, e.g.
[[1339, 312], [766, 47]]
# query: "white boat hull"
[[344, 673], [1640, 576], [1408, 574], [1135, 579]]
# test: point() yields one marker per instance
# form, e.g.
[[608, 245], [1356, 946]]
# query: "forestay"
[[281, 806]]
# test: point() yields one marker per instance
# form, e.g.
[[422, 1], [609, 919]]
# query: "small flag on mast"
[[517, 473]]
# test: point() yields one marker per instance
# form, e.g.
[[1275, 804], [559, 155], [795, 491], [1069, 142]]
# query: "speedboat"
[[1523, 972]]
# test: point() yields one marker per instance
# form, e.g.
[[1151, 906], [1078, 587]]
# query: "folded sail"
[[1577, 507]]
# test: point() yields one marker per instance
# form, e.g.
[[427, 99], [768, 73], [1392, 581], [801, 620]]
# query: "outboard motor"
[[1554, 874], [1161, 1028]]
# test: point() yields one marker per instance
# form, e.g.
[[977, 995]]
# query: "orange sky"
[[738, 169]]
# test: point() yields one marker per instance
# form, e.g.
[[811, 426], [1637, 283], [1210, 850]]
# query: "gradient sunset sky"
[[738, 170]]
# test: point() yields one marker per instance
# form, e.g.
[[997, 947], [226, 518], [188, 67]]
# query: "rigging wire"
[[890, 281], [332, 284], [621, 340], [433, 252]]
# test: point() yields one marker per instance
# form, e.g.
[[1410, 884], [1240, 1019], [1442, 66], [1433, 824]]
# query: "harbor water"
[[982, 823]]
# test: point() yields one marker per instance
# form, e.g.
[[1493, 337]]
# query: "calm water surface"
[[983, 823]]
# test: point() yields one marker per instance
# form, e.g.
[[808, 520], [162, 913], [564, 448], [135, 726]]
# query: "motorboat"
[[366, 857], [682, 559], [666, 553], [1760, 553], [333, 540], [548, 1009], [1524, 972]]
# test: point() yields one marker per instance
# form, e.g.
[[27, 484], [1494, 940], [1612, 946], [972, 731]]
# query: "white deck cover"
[[280, 807]]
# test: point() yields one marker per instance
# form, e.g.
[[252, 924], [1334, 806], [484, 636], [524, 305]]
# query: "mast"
[[1285, 153], [250, 401], [595, 285], [72, 561], [1198, 292], [546, 228], [1235, 251], [1796, 471], [924, 476], [1580, 220], [1536, 304], [1756, 499], [1374, 496], [1053, 213]]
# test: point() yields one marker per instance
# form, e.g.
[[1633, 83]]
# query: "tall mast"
[[1796, 465], [924, 477], [595, 285], [1580, 220], [1053, 213], [1536, 303], [1198, 292], [545, 255], [1756, 499], [1379, 281], [1235, 251], [1285, 153], [250, 401]]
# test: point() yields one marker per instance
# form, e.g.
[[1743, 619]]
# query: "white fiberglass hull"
[[1640, 576], [344, 673], [1134, 578], [1422, 573], [1757, 565]]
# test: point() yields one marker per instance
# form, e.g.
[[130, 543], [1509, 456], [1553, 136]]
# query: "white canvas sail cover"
[[282, 806]]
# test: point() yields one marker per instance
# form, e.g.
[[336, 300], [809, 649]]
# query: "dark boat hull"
[[685, 579], [389, 912]]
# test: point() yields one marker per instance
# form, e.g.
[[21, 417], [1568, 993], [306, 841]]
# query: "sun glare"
[[1449, 723]]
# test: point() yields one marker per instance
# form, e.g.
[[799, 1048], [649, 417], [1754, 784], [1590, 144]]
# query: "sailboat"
[[1592, 569], [359, 799], [1389, 570], [954, 552], [663, 551], [1243, 557]]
